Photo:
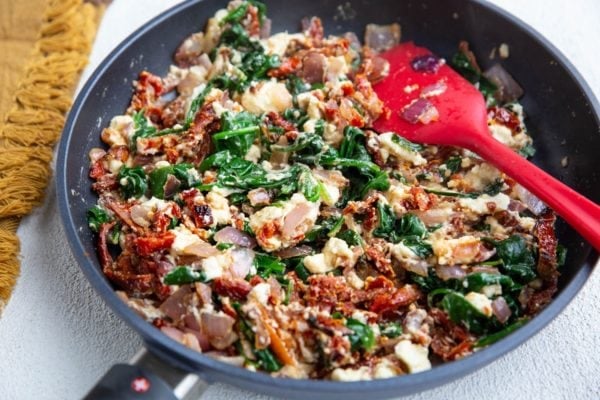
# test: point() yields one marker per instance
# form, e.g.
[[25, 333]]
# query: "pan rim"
[[180, 355]]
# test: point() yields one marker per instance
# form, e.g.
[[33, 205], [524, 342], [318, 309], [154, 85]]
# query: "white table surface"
[[57, 337]]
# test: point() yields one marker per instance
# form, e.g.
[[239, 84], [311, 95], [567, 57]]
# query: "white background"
[[57, 337]]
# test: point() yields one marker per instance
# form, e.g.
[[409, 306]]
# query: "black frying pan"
[[563, 117]]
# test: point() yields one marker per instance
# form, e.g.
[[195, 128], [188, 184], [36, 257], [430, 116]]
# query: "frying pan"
[[563, 117]]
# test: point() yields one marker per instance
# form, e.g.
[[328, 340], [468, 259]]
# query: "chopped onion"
[[446, 272], [421, 110], [95, 154], [234, 236], [508, 89], [419, 267], [485, 269], [294, 219], [501, 309], [435, 89], [173, 333], [175, 306], [292, 252], [259, 197], [242, 262], [429, 63], [139, 215], [200, 249], [216, 325], [265, 28], [534, 204]]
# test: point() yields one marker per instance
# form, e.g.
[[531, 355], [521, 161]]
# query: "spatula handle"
[[579, 212]]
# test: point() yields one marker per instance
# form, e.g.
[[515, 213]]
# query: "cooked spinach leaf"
[[184, 274], [158, 178], [518, 261], [362, 337], [96, 216], [267, 265], [133, 182], [494, 337]]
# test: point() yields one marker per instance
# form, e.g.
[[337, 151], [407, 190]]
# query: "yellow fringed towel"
[[44, 46]]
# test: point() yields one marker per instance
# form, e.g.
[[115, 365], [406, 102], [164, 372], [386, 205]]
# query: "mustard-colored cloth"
[[44, 45]]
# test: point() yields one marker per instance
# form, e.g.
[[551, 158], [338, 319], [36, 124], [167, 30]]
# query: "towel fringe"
[[32, 127]]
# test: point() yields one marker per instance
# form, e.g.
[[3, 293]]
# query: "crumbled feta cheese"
[[491, 291], [184, 238], [261, 293], [527, 223], [354, 280], [463, 250], [387, 148], [267, 96], [480, 204], [219, 206], [396, 195], [253, 154], [119, 131], [336, 68], [278, 43], [481, 176], [332, 135], [385, 369], [311, 103], [348, 374], [480, 302], [504, 50], [115, 166], [413, 356], [335, 254], [316, 264], [502, 134], [214, 266]]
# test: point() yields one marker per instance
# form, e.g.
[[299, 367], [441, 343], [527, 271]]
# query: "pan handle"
[[146, 377]]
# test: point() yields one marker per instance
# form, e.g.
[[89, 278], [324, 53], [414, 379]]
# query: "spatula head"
[[429, 101]]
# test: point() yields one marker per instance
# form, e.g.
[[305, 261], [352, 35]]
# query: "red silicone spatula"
[[431, 103]]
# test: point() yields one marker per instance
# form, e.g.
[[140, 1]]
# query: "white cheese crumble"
[[335, 254], [219, 207], [214, 266], [387, 148], [260, 293], [413, 356], [119, 131], [480, 302], [480, 204], [278, 43], [348, 375], [184, 238], [267, 96]]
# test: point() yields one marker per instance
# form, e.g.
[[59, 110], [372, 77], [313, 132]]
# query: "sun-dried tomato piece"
[[147, 245], [237, 289], [401, 297]]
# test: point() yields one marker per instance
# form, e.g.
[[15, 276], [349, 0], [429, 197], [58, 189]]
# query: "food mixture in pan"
[[247, 209]]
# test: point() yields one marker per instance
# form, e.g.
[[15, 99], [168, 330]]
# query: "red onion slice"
[[421, 110], [501, 309], [242, 262], [201, 249], [508, 89], [294, 219], [292, 252], [435, 89], [234, 236], [450, 272], [534, 204], [429, 63]]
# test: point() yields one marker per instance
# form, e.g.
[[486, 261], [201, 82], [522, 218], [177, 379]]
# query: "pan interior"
[[562, 118]]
